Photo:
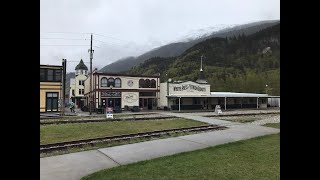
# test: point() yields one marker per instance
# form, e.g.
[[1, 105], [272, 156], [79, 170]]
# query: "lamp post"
[[266, 88], [111, 86], [168, 81]]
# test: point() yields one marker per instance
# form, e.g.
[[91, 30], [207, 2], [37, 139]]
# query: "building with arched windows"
[[77, 84], [122, 90]]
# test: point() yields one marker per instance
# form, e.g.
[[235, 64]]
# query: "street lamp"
[[168, 81], [111, 86], [266, 88]]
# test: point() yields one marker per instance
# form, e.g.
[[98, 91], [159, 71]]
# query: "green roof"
[[81, 65]]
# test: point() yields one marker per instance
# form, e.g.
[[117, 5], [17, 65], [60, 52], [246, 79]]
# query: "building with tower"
[[76, 93], [188, 95]]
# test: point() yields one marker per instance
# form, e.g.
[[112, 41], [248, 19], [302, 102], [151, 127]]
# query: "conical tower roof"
[[81, 66], [201, 79]]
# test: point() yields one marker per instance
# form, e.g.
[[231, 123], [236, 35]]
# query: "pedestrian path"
[[76, 165]]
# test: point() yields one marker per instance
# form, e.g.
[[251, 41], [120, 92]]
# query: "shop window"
[[118, 83], [147, 83], [111, 82], [141, 83], [153, 83], [104, 82]]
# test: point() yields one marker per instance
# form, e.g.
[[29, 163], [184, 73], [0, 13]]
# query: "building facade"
[[122, 91], [188, 95], [50, 88], [76, 93]]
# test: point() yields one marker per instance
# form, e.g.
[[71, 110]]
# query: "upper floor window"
[[141, 83], [50, 75], [81, 83], [81, 71], [153, 83], [104, 82], [111, 82], [118, 83], [53, 75], [81, 91], [147, 83]]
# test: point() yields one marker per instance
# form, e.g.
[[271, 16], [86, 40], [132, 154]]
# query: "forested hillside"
[[237, 64]]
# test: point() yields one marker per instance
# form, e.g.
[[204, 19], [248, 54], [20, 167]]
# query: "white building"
[[189, 95], [77, 84]]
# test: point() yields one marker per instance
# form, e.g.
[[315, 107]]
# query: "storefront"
[[123, 91]]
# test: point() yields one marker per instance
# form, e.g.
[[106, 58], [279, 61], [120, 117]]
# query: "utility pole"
[[64, 69], [90, 94]]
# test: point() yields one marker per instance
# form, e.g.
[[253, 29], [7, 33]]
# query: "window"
[[57, 75], [53, 75], [118, 83], [104, 82], [177, 101], [147, 83], [142, 94], [111, 82], [196, 101], [42, 74], [81, 83], [72, 92], [141, 83], [81, 71], [81, 91], [50, 75], [153, 83]]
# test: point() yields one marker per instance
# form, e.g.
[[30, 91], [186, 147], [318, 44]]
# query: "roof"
[[126, 75], [201, 79], [228, 94], [81, 65]]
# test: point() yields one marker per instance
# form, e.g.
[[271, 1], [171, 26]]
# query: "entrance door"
[[111, 102], [150, 104], [52, 102]]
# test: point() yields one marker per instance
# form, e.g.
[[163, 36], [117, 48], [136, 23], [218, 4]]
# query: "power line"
[[110, 37], [64, 39], [67, 45], [65, 33]]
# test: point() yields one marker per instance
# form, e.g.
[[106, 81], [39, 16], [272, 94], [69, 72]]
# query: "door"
[[52, 101]]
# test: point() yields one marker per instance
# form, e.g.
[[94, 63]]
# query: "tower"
[[201, 79]]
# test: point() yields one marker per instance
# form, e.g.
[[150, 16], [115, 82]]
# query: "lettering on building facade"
[[110, 94], [188, 88], [130, 97]]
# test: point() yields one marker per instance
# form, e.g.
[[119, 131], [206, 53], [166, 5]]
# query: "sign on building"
[[110, 94]]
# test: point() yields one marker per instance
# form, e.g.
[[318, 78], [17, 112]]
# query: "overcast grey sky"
[[131, 27]]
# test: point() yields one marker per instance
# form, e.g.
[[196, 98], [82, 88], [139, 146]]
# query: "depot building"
[[189, 95]]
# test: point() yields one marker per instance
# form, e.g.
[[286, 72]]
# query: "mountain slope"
[[177, 48], [239, 63]]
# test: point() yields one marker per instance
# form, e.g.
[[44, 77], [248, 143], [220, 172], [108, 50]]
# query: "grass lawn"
[[68, 132], [273, 125], [257, 158], [241, 119]]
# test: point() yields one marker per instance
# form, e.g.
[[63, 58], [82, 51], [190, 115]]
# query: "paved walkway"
[[76, 165]]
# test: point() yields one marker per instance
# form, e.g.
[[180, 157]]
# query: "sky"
[[122, 28]]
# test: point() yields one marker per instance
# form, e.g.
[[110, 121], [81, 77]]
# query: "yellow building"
[[50, 88]]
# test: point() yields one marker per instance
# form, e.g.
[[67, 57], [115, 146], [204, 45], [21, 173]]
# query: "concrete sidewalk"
[[76, 165]]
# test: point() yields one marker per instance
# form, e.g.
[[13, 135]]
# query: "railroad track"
[[45, 148], [242, 114], [44, 122]]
